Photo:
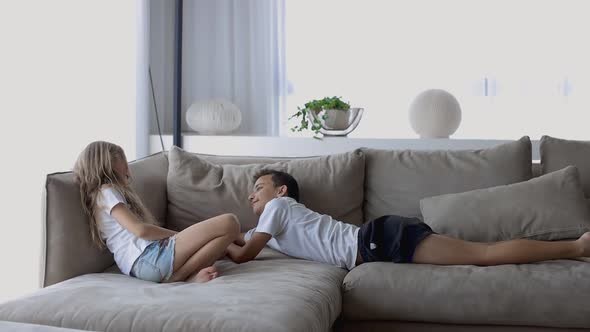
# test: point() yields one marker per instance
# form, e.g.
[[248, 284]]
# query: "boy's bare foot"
[[204, 275], [584, 241]]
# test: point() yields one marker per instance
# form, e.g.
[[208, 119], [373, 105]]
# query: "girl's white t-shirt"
[[302, 233], [125, 246]]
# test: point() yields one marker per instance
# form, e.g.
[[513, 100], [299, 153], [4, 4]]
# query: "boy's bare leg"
[[444, 250]]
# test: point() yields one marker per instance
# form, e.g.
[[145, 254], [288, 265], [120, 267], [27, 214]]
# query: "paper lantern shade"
[[213, 117]]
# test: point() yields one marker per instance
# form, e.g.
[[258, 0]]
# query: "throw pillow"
[[550, 207], [198, 189]]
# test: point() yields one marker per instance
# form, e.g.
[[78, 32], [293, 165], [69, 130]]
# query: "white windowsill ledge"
[[300, 147]]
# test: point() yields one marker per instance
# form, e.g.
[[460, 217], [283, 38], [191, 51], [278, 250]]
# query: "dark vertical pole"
[[176, 128]]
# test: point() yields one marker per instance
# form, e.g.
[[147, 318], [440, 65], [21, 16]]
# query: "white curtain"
[[234, 49]]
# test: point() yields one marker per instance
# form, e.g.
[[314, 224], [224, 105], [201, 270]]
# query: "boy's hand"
[[251, 249]]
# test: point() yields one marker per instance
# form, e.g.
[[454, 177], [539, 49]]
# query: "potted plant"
[[328, 113]]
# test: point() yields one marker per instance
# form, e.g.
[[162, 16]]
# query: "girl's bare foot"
[[584, 241], [204, 275]]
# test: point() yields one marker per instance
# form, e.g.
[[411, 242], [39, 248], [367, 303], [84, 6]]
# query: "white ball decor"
[[213, 117], [435, 113]]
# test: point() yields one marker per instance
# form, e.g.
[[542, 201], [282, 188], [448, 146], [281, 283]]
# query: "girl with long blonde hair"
[[141, 248]]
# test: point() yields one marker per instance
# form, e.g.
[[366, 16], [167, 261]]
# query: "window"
[[516, 67]]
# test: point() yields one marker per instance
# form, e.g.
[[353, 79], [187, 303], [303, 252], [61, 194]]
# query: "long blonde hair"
[[93, 169]]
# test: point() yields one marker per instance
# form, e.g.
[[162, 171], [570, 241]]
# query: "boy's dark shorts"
[[391, 239]]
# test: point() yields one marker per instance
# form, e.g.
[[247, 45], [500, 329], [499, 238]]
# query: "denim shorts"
[[156, 262]]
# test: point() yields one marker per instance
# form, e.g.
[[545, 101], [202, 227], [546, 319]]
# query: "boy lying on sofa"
[[288, 226]]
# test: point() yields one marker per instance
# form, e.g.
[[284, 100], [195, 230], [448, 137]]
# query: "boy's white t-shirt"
[[125, 246], [302, 233]]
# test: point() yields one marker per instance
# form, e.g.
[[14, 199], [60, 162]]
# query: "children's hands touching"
[[251, 248]]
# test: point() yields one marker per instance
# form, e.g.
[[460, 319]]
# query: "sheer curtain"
[[234, 49], [143, 93]]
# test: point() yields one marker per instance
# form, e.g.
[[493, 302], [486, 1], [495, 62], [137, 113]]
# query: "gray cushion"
[[558, 153], [396, 181], [149, 182], [271, 293], [239, 160], [550, 207], [552, 293], [69, 251], [198, 189]]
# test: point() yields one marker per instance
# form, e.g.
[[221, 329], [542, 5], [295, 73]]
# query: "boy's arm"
[[251, 248], [240, 240]]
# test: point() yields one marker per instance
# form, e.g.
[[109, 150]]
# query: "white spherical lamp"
[[435, 113], [213, 117]]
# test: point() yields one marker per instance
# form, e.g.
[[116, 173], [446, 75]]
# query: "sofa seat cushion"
[[23, 327], [552, 293], [272, 293]]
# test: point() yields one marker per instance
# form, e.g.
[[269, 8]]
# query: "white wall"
[[67, 77]]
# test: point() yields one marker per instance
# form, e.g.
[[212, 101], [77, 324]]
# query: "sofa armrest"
[[69, 251]]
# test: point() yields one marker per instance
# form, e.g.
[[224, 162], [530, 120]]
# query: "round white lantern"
[[213, 117], [435, 113]]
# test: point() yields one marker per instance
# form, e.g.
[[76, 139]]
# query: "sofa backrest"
[[536, 168], [69, 251], [396, 180]]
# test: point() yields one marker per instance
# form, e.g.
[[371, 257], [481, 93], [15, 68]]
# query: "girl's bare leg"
[[444, 250], [203, 275], [201, 244]]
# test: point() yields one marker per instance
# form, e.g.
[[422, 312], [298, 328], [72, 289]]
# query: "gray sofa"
[[84, 290]]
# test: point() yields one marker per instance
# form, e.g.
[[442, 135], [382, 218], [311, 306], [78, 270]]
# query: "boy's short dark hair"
[[280, 178]]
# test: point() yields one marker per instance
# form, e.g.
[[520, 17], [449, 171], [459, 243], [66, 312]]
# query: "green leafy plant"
[[317, 106]]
